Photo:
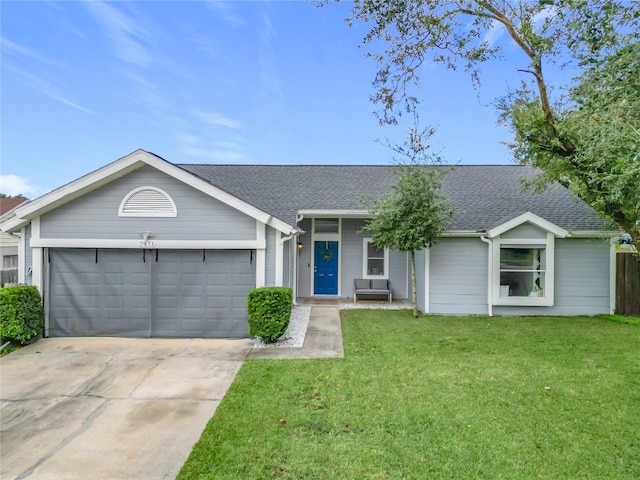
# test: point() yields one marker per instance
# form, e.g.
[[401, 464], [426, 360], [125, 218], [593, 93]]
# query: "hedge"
[[21, 313], [269, 311]]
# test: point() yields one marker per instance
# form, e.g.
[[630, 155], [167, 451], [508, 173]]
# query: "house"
[[9, 244], [144, 247]]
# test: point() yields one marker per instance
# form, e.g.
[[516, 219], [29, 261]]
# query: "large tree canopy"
[[584, 135]]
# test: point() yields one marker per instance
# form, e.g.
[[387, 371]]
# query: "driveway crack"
[[83, 428]]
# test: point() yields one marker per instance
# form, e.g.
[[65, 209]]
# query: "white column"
[[261, 256]]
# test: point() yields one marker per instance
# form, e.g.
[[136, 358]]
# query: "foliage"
[[480, 409], [269, 312], [601, 119], [413, 215], [588, 138], [21, 313]]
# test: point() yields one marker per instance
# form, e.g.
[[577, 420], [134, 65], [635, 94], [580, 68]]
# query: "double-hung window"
[[375, 260], [523, 271]]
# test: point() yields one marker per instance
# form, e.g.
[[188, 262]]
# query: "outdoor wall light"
[[299, 245], [145, 235]]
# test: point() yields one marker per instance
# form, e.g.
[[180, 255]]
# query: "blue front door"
[[325, 279]]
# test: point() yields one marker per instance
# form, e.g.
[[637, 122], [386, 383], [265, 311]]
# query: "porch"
[[345, 302]]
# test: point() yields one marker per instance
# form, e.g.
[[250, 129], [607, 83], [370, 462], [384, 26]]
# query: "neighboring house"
[[144, 247], [9, 245]]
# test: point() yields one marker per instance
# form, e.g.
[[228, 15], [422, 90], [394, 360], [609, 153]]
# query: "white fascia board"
[[595, 234], [82, 185], [13, 224], [530, 218], [152, 244], [324, 213], [463, 233], [121, 167]]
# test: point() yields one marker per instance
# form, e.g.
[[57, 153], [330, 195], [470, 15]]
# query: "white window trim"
[[548, 244], [122, 213], [365, 258]]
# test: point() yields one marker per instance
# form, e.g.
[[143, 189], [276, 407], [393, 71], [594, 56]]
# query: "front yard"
[[437, 397]]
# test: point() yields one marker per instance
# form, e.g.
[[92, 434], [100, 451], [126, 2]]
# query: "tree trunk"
[[414, 288]]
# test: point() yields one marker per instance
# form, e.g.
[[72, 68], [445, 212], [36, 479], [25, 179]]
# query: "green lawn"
[[437, 397]]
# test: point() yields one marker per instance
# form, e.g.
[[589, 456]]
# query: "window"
[[9, 261], [375, 261], [523, 271], [147, 202], [327, 225]]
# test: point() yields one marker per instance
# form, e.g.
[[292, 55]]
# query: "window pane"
[[375, 266], [326, 225], [522, 284], [10, 261], [373, 252], [522, 259]]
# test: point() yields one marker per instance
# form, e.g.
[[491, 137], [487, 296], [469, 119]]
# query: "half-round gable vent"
[[147, 202]]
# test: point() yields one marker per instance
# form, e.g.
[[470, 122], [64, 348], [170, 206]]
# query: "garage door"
[[149, 293]]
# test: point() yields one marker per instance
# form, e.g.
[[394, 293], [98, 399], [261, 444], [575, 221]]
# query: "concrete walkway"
[[323, 339]]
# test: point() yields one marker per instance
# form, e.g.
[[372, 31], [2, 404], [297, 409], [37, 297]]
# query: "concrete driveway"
[[110, 408]]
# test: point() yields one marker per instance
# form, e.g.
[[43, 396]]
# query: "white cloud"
[[15, 185], [46, 88], [225, 11], [124, 32], [216, 119], [12, 47], [494, 33]]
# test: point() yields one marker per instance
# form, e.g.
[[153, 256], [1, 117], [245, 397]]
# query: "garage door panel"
[[130, 293]]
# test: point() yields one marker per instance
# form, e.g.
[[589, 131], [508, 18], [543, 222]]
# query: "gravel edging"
[[296, 331]]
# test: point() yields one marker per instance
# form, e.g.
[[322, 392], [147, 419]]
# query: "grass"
[[437, 397]]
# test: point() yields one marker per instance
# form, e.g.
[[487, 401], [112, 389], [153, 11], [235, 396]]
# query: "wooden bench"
[[364, 286]]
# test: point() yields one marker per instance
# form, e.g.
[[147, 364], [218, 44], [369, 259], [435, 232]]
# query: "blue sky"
[[85, 83]]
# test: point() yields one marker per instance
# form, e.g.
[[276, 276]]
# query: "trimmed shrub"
[[269, 312], [21, 313]]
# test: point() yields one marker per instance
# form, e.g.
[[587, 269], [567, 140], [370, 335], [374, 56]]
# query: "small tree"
[[413, 215]]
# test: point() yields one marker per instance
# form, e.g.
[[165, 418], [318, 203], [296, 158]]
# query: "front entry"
[[325, 276]]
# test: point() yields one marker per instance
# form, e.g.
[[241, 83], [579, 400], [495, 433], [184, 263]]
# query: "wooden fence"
[[627, 284]]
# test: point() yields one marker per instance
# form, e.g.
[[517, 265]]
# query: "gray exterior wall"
[[28, 255], [581, 280], [95, 215], [351, 255], [420, 278], [526, 230], [270, 261], [458, 276], [304, 260]]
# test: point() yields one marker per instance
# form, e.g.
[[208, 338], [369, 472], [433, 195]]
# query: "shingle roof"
[[7, 204], [481, 196]]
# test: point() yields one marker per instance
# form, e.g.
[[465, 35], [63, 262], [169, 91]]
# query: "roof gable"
[[531, 218], [121, 167]]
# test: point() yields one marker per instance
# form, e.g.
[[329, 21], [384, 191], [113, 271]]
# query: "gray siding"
[[420, 277], [270, 271], [304, 260], [458, 276], [28, 255], [95, 215], [286, 274], [581, 280], [398, 268], [526, 230], [351, 259]]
